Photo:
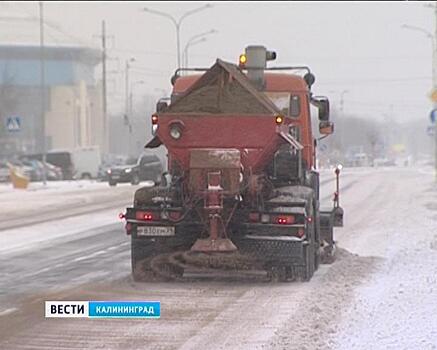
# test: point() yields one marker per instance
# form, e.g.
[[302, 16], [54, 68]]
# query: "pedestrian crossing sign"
[[13, 124]]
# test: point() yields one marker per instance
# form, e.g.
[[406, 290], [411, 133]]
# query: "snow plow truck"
[[241, 191]]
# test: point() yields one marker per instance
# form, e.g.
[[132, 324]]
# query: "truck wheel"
[[307, 271], [135, 180], [311, 254], [112, 183]]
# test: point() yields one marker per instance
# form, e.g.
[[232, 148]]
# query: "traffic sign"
[[13, 124], [433, 116]]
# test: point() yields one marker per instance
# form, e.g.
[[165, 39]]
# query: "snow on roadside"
[[52, 186], [381, 293], [397, 308], [317, 316], [61, 194], [27, 237]]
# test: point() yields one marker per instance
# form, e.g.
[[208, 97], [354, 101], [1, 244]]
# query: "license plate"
[[155, 231], [115, 176]]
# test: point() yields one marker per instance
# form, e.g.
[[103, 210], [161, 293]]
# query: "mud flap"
[[327, 247], [283, 250]]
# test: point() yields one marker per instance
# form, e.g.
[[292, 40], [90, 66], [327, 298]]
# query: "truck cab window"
[[294, 106], [287, 103]]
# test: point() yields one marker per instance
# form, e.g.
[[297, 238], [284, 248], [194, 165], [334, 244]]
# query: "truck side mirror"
[[326, 128], [161, 106], [323, 105]]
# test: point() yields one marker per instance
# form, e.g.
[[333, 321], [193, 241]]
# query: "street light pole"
[[342, 118], [185, 53], [131, 113], [434, 73], [195, 39], [131, 98], [434, 45], [104, 92], [177, 23], [42, 88], [342, 93]]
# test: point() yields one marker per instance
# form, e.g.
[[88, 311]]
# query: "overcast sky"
[[354, 46]]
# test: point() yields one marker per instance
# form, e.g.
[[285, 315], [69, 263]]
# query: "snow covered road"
[[381, 293], [58, 200]]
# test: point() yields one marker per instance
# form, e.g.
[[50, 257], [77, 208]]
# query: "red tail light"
[[121, 216], [154, 119], [143, 215], [285, 219]]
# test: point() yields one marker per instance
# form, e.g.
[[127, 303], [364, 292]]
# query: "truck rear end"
[[243, 193]]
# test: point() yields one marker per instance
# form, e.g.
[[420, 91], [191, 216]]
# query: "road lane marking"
[[100, 252], [8, 311]]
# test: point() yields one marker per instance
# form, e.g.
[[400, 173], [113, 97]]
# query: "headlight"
[[175, 132], [127, 170]]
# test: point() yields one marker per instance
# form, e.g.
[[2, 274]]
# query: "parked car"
[[53, 173], [63, 160], [147, 167], [33, 173]]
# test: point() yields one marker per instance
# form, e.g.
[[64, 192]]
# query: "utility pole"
[[104, 94], [103, 37], [127, 117], [126, 89], [42, 90]]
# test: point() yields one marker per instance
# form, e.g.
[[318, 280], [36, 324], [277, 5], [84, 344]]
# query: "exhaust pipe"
[[256, 62]]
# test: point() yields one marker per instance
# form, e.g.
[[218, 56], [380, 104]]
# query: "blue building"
[[73, 100]]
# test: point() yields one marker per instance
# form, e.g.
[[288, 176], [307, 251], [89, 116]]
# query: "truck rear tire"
[[308, 270], [311, 253]]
